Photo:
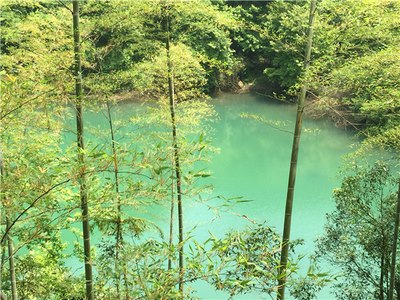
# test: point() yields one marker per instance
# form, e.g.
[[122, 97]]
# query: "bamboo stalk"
[[176, 154], [81, 159], [282, 271]]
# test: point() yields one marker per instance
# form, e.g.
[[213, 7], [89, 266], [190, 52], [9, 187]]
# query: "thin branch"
[[24, 103], [31, 205], [335, 111], [37, 232], [265, 122], [51, 189], [275, 98], [64, 5]]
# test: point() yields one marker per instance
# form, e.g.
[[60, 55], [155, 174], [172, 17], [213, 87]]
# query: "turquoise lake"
[[253, 163]]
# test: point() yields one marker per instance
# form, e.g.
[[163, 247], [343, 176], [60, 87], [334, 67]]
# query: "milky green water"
[[254, 163]]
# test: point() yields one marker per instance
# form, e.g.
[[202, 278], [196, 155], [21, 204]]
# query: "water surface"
[[253, 162]]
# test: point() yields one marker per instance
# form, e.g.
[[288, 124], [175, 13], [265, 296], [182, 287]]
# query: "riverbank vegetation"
[[61, 59]]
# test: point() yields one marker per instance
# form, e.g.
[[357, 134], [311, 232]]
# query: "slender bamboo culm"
[[282, 271], [172, 210], [3, 260], [13, 277], [81, 158], [119, 241], [176, 151], [8, 239]]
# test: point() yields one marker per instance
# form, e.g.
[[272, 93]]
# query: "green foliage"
[[307, 287], [358, 233], [146, 276], [368, 86], [357, 72], [150, 77], [33, 164], [354, 29], [285, 32], [38, 49], [121, 33], [388, 139], [127, 38], [205, 28], [238, 263], [41, 274], [246, 261], [147, 184], [355, 67]]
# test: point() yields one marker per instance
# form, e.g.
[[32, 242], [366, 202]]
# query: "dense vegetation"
[[218, 46], [174, 54]]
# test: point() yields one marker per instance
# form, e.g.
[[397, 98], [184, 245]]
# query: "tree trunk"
[[3, 241], [397, 288], [382, 276], [81, 159], [171, 218], [394, 249], [13, 278], [3, 260], [293, 162], [176, 154], [383, 247], [9, 240]]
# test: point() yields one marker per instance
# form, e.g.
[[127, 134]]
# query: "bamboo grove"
[[83, 202]]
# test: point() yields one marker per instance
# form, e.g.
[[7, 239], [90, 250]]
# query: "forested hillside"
[[77, 197], [220, 45]]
